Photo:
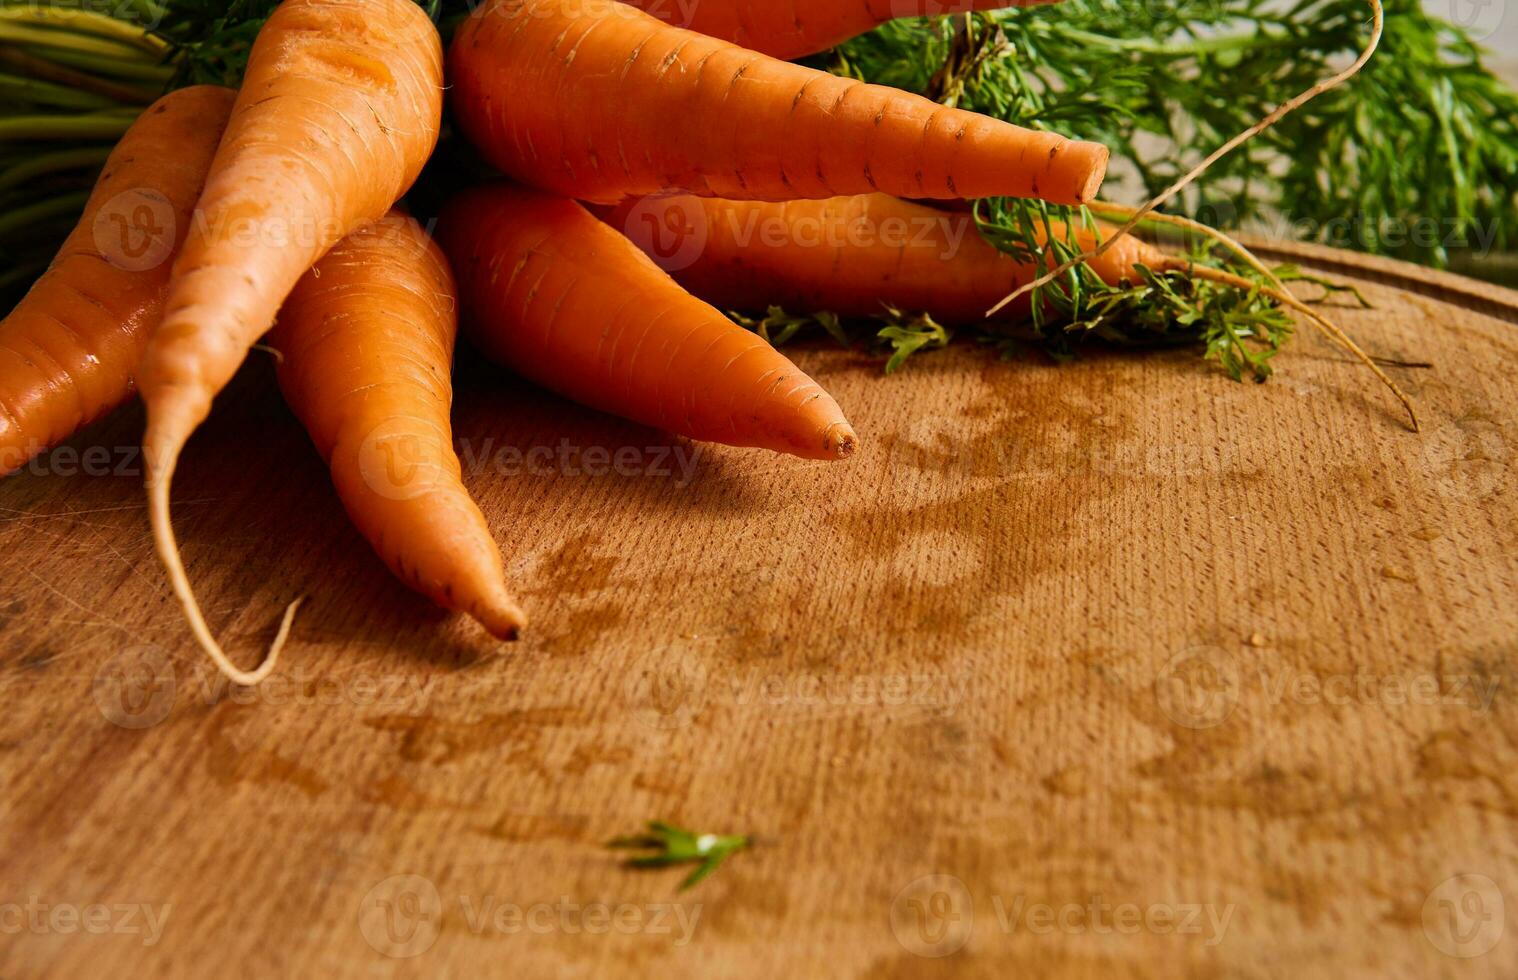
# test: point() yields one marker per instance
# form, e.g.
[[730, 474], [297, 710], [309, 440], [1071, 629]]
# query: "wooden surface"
[[1234, 663]]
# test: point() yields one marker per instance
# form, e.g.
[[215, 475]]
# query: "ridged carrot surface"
[[847, 255], [366, 343], [69, 350], [339, 110], [795, 28], [566, 301], [598, 100]]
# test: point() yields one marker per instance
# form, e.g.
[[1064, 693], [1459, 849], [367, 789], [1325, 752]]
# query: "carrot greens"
[[670, 845]]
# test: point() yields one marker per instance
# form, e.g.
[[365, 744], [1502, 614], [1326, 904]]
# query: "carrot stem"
[[134, 68], [98, 125], [82, 23], [38, 92], [29, 215], [1378, 23], [1277, 290], [36, 66], [14, 31], [85, 158]]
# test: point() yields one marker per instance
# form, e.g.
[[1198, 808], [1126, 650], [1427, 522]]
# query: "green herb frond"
[[1416, 157], [670, 845]]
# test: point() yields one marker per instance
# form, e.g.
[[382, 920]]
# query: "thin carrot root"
[[1274, 116], [1277, 290], [339, 111], [1332, 330], [161, 476]]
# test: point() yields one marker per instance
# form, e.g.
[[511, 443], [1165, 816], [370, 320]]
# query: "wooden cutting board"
[[1111, 669]]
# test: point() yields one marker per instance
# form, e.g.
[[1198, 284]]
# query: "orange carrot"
[[71, 346], [569, 303], [366, 344], [856, 255], [598, 100], [339, 110], [796, 28], [847, 255]]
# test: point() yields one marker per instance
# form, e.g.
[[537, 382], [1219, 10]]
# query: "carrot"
[[856, 255], [1149, 210], [339, 110], [848, 255], [598, 100], [366, 343], [569, 303], [796, 28], [71, 346]]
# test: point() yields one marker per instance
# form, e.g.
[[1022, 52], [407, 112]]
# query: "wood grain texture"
[[1237, 660]]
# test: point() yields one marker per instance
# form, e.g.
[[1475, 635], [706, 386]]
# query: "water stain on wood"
[[396, 793], [228, 763], [587, 755], [439, 741], [574, 568], [1144, 505], [532, 827]]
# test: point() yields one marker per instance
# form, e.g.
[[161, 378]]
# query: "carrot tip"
[[1100, 155], [502, 619], [840, 442]]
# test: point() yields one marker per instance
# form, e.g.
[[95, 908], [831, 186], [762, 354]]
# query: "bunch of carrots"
[[222, 217]]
